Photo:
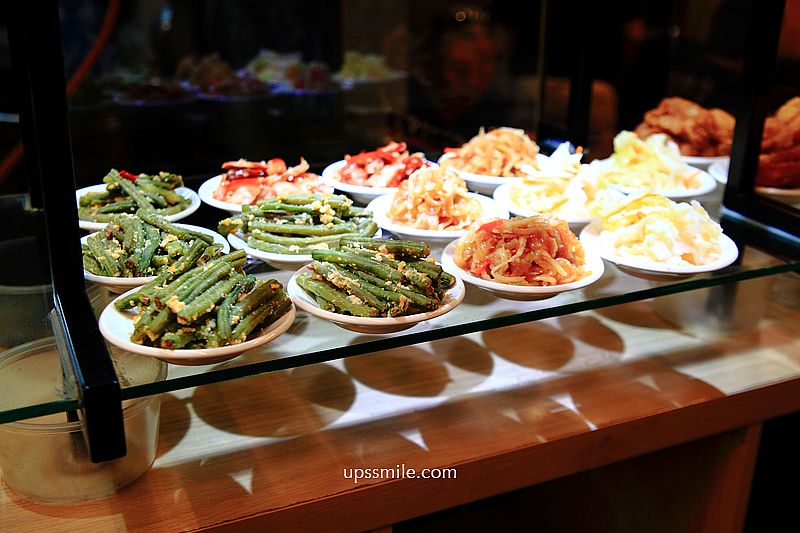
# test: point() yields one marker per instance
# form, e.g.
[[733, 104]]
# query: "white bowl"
[[194, 205], [123, 284], [279, 261], [703, 162], [649, 269], [594, 263], [481, 183], [719, 171], [360, 193], [707, 185], [372, 326], [380, 207], [117, 326], [206, 192], [503, 196]]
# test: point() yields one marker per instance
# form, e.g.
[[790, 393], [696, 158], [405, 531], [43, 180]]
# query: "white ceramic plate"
[[590, 237], [480, 183], [707, 184], [503, 196], [594, 263], [206, 192], [279, 261], [373, 326], [194, 205], [123, 284], [703, 162], [360, 193], [719, 171], [380, 206], [117, 327]]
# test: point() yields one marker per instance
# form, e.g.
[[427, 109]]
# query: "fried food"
[[696, 130], [779, 163]]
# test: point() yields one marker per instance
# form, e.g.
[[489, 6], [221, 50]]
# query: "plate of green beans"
[[130, 252], [284, 231], [199, 315], [162, 193], [375, 286]]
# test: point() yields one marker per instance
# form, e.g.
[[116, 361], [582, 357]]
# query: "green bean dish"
[[142, 245], [299, 224], [211, 305], [128, 193], [370, 277]]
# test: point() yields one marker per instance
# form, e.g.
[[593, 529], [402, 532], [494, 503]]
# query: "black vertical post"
[[759, 68], [35, 43]]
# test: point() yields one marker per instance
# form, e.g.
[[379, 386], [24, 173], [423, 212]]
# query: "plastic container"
[[718, 311], [26, 296], [45, 458]]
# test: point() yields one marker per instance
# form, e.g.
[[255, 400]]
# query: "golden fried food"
[[696, 130], [779, 163], [782, 130]]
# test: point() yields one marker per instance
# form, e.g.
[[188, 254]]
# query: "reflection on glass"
[[25, 292]]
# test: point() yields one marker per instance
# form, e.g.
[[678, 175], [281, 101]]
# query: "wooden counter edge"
[[369, 507]]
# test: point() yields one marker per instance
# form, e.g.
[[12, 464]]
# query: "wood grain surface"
[[508, 409]]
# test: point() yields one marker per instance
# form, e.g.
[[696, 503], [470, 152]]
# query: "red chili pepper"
[[489, 226], [481, 269], [127, 175]]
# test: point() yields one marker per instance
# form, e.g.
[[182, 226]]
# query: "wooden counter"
[[508, 409]]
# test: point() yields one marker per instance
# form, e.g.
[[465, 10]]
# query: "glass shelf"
[[313, 340]]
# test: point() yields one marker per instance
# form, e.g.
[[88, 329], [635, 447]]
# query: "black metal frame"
[[35, 43], [34, 38], [759, 69]]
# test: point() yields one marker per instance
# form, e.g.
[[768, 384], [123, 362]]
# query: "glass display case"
[[184, 87]]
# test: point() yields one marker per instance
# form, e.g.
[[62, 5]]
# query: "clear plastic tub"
[[718, 311], [45, 458], [26, 296]]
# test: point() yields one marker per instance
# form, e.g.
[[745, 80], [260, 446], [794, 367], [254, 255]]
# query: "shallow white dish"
[[360, 193], [590, 237], [123, 284], [372, 326], [481, 183], [117, 327], [707, 185], [594, 263], [279, 261], [194, 205], [503, 196], [380, 206], [206, 192], [703, 162], [719, 171]]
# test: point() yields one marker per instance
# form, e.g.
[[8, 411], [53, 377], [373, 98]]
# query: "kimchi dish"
[[502, 152], [532, 251], [385, 167], [246, 182], [434, 199]]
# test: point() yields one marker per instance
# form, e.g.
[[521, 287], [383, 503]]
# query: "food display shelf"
[[313, 340]]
